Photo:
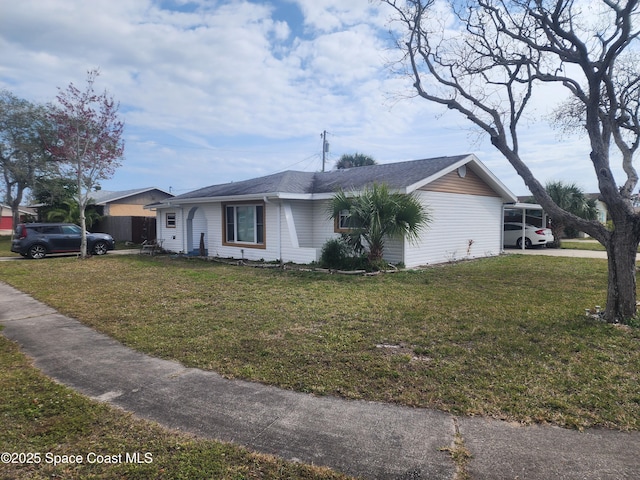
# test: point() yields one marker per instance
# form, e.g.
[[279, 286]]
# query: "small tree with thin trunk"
[[88, 143]]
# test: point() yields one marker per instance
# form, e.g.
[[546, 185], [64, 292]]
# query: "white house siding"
[[197, 224], [171, 237], [323, 226], [457, 219], [303, 218], [394, 251]]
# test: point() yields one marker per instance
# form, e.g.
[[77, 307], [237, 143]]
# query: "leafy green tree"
[[22, 154], [69, 212], [572, 199], [349, 160], [52, 190], [377, 214]]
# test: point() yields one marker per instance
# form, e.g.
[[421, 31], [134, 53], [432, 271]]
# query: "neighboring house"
[[601, 207], [124, 215], [285, 216], [6, 218]]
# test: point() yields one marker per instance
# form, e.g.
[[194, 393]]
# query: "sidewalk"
[[368, 439]]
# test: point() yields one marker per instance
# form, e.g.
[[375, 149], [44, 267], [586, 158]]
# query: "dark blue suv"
[[35, 240]]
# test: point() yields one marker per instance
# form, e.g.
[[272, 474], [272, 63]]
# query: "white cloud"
[[215, 91]]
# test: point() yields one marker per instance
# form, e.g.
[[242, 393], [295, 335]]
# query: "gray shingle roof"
[[395, 175], [102, 197]]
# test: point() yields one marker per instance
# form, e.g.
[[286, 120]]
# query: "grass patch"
[[39, 415], [5, 247], [582, 245], [504, 337]]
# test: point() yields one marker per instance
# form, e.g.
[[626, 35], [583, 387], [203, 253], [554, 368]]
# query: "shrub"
[[334, 253], [338, 254]]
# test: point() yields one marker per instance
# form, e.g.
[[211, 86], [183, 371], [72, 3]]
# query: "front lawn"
[[582, 245], [505, 337], [51, 423], [5, 246]]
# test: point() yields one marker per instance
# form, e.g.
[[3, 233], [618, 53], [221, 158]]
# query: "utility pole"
[[325, 148]]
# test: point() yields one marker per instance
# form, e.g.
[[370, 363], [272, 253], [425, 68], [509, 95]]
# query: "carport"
[[520, 212]]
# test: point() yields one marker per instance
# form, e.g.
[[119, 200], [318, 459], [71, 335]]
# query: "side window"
[[343, 222], [170, 221], [71, 230], [50, 230]]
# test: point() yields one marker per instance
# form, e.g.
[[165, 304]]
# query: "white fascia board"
[[171, 202], [520, 206], [293, 196], [349, 193]]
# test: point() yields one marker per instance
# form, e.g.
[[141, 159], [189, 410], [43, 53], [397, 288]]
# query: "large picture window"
[[244, 224]]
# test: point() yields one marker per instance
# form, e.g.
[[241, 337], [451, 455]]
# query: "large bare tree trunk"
[[621, 294]]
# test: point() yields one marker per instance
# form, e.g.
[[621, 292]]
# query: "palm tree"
[[349, 160], [377, 214], [571, 198], [70, 213]]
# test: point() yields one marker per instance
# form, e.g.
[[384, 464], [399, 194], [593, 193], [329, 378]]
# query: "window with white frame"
[[343, 222], [244, 224], [170, 221]]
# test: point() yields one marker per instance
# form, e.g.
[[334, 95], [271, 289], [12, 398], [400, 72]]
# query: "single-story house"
[[284, 216], [124, 215]]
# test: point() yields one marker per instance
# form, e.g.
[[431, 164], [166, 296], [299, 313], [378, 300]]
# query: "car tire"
[[37, 251], [100, 248], [527, 243]]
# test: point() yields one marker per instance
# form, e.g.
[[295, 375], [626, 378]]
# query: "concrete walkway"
[[368, 439]]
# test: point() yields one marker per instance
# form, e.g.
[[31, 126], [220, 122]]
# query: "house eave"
[[172, 202]]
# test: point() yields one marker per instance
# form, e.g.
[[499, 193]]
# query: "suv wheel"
[[100, 248], [37, 251]]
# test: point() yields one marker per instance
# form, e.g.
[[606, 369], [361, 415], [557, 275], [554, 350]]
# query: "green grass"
[[582, 245], [504, 337], [5, 246], [41, 416]]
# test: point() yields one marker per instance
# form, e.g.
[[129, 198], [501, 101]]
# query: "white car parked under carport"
[[533, 236]]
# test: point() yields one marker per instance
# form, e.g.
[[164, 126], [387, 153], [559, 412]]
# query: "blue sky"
[[214, 91]]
